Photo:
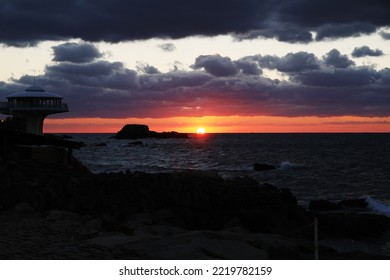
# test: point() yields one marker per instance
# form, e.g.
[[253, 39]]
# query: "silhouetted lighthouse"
[[33, 104]]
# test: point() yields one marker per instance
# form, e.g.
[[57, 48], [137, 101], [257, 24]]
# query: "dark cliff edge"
[[139, 131]]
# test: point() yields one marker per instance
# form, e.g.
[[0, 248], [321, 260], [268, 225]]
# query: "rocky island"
[[139, 131]]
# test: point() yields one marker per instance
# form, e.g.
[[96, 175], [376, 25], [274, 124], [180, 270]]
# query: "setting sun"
[[201, 130]]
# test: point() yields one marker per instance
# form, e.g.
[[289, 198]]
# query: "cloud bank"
[[77, 53], [219, 85], [25, 23], [331, 85], [366, 51]]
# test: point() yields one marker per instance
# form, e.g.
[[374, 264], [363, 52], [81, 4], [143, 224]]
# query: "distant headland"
[[137, 131]]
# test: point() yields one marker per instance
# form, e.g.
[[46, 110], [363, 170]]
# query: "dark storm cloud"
[[25, 23], [101, 73], [286, 33], [95, 69], [385, 76], [77, 53], [168, 47], [336, 59], [216, 65], [291, 62], [249, 66], [317, 13], [385, 35], [147, 69], [344, 30], [223, 66], [339, 77], [219, 86], [174, 80], [366, 51], [292, 35]]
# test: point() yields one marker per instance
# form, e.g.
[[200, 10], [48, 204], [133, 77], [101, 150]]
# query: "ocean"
[[331, 166]]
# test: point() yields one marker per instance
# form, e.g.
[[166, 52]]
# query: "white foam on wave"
[[286, 165], [378, 206]]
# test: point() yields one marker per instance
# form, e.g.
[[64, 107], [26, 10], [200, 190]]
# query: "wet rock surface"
[[263, 167]]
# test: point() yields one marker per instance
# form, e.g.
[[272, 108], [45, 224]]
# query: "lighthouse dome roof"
[[34, 91]]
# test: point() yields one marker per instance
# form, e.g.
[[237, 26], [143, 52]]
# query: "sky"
[[225, 65]]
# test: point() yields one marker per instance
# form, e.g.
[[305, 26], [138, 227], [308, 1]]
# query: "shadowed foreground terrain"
[[56, 211]]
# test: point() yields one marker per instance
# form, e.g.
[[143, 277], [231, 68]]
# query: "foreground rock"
[[354, 226], [349, 218], [196, 200], [67, 235], [346, 204], [138, 131], [263, 167], [57, 212]]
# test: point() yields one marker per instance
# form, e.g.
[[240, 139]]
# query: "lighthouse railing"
[[4, 106], [32, 106]]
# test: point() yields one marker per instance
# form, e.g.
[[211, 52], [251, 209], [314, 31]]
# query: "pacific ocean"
[[331, 166]]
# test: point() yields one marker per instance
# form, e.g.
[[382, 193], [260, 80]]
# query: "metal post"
[[4, 147], [316, 238], [70, 156]]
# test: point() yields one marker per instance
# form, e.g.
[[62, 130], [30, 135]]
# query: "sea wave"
[[378, 206], [313, 166], [286, 165]]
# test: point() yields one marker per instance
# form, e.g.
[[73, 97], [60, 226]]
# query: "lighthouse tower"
[[33, 104]]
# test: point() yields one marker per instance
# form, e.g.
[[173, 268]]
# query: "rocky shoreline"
[[56, 211]]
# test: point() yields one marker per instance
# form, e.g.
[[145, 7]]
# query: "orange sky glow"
[[219, 124]]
